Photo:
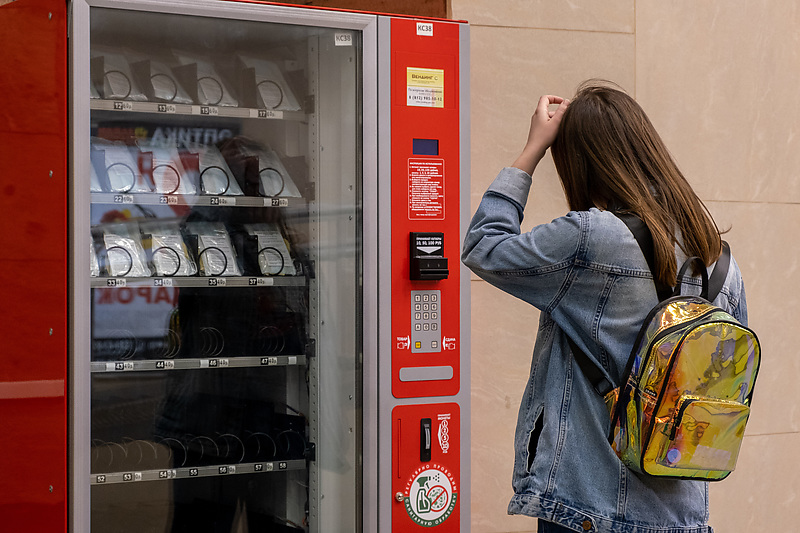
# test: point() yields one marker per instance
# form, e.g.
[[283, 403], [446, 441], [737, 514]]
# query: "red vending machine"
[[234, 299]]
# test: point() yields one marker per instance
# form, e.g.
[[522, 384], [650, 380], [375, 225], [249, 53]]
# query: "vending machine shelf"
[[167, 108], [197, 472], [201, 281], [151, 199], [217, 363]]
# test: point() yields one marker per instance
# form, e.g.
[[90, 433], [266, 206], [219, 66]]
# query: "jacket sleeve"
[[535, 266]]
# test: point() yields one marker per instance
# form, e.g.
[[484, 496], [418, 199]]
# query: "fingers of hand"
[[543, 107]]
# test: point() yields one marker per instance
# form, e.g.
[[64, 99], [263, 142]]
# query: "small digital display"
[[426, 147]]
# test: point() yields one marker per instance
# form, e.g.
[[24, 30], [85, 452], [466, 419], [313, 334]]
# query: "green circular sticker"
[[430, 495]]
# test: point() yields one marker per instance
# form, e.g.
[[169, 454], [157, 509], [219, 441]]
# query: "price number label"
[[223, 470], [209, 110], [269, 361], [194, 472], [127, 476], [166, 199], [276, 202], [166, 108], [162, 282], [123, 106], [116, 282], [217, 282], [283, 465], [123, 199], [221, 200], [123, 365], [165, 365], [167, 474], [260, 282], [100, 479]]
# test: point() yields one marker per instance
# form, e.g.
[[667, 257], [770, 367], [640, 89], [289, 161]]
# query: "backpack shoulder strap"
[[717, 278], [645, 241]]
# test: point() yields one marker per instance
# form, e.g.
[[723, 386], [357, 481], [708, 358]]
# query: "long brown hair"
[[608, 155]]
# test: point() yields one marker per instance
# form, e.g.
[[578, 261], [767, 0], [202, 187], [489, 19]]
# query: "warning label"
[[424, 87], [426, 189]]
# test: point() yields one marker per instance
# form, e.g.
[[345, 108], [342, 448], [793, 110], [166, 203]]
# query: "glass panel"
[[225, 275]]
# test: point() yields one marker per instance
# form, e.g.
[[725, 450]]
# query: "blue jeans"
[[549, 527]]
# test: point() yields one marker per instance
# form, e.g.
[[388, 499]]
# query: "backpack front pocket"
[[703, 438]]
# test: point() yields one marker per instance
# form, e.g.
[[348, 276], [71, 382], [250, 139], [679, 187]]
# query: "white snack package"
[[274, 258], [271, 86], [166, 87], [274, 179], [124, 251], [215, 178], [212, 89], [94, 184], [118, 80], [120, 166], [168, 251], [214, 249], [169, 176], [94, 265]]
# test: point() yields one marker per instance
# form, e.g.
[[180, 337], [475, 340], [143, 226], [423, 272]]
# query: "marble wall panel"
[[510, 69], [762, 493], [503, 331], [589, 15], [719, 80]]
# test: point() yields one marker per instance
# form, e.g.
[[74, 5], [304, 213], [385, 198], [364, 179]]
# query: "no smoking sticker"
[[430, 495]]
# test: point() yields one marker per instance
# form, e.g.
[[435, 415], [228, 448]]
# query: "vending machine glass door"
[[217, 230]]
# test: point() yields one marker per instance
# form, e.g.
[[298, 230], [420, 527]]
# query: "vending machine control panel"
[[429, 300]]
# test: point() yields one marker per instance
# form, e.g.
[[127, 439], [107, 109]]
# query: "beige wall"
[[719, 80]]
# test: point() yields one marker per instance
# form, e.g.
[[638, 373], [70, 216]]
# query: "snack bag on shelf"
[[274, 179], [121, 168], [215, 251], [166, 168], [118, 81], [212, 89], [169, 253], [272, 90], [124, 251], [215, 177], [274, 258]]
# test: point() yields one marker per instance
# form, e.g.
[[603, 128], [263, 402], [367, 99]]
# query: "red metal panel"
[[426, 491], [33, 265], [420, 45]]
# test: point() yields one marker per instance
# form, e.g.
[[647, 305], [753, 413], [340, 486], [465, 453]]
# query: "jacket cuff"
[[512, 183]]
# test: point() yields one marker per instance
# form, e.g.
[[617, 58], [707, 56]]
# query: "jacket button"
[[586, 525]]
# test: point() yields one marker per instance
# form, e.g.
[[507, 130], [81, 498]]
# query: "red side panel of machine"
[[426, 301], [425, 477], [33, 265], [425, 207]]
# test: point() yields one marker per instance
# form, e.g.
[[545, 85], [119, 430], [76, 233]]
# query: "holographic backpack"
[[686, 392]]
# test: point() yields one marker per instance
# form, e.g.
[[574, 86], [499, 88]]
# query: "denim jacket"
[[587, 276]]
